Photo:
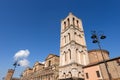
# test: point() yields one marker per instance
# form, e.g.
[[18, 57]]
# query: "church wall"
[[96, 55], [113, 68]]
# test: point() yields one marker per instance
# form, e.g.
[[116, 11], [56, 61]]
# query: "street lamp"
[[15, 65], [96, 39]]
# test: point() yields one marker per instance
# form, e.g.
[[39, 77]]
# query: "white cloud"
[[21, 58], [21, 54], [24, 63], [42, 62]]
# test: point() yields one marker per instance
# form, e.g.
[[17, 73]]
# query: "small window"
[[77, 23], [80, 36], [87, 75], [69, 53], [64, 25], [49, 64], [73, 21], [65, 38], [69, 36], [68, 21], [75, 33], [65, 55], [98, 73]]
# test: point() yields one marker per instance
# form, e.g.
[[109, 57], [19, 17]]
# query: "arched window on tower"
[[77, 23], [65, 38], [65, 56], [68, 22], [76, 51], [80, 37], [69, 53], [73, 21], [75, 35], [64, 25], [69, 36]]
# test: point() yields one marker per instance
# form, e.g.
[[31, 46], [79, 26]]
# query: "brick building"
[[96, 69], [47, 71]]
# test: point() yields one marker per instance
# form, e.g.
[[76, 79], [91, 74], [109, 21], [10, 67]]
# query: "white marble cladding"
[[73, 51]]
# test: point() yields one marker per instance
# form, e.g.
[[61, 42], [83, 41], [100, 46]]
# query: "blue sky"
[[35, 25]]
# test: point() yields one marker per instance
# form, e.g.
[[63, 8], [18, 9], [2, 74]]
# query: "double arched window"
[[66, 23]]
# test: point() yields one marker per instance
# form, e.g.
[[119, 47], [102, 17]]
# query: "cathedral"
[[75, 62]]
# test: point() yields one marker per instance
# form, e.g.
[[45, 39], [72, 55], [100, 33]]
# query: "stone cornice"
[[74, 63], [71, 43], [73, 26]]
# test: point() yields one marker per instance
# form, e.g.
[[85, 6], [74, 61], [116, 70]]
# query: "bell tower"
[[73, 51]]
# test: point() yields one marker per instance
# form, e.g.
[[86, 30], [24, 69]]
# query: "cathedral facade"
[[75, 61]]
